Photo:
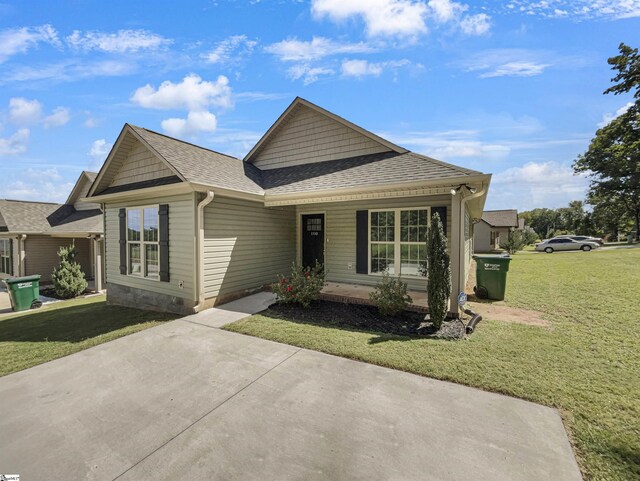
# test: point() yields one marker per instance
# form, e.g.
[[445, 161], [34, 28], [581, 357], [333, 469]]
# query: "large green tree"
[[613, 157]]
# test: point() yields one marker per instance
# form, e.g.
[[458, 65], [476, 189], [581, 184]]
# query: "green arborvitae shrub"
[[390, 295], [68, 279], [303, 286], [438, 272], [515, 242]]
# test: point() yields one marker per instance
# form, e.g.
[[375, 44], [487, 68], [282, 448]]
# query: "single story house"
[[187, 228], [493, 228], [31, 233]]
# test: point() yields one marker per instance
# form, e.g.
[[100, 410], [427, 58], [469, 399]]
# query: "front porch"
[[359, 294]]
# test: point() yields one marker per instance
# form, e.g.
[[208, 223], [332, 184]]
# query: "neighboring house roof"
[[24, 217], [501, 218], [374, 169]]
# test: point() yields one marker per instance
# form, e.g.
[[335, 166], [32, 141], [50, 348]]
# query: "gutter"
[[200, 250]]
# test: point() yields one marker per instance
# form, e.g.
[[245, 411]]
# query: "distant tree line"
[[606, 219]]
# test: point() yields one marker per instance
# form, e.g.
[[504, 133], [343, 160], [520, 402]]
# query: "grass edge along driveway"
[[586, 363], [32, 337]]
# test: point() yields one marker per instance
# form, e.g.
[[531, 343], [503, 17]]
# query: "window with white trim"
[[397, 240], [5, 256], [142, 242]]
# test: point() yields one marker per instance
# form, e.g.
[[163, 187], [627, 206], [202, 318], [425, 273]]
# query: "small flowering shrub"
[[390, 295], [303, 285]]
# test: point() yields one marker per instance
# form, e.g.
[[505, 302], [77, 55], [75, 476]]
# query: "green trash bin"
[[491, 276], [24, 292]]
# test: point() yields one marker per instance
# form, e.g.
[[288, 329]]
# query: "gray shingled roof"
[[362, 171], [501, 218], [204, 166], [23, 217]]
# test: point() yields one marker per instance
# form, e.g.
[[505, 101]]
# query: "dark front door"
[[312, 239]]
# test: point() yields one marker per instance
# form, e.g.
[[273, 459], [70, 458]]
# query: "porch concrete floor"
[[359, 294]]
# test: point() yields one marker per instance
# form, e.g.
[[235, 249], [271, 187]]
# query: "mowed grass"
[[586, 363], [33, 337]]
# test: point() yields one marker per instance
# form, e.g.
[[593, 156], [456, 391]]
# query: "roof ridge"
[[185, 142], [501, 210], [32, 202], [457, 168]]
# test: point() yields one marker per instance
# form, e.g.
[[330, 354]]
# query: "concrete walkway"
[[188, 401]]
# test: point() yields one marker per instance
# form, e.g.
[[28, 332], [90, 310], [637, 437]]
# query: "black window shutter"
[[362, 241], [442, 212], [123, 241], [163, 214]]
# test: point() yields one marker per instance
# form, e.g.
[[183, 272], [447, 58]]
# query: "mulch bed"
[[366, 318], [50, 292]]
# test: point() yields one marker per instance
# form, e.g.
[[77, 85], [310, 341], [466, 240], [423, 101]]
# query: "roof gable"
[[131, 160], [81, 189], [306, 133]]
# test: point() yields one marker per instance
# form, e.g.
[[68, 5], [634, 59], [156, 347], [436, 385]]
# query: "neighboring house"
[[32, 232], [493, 228], [188, 228]]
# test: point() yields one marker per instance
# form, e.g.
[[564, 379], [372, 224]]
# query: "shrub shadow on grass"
[[74, 323], [356, 318]]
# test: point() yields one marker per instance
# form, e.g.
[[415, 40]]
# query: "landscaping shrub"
[[529, 236], [515, 242], [438, 272], [68, 279], [303, 286], [390, 295]]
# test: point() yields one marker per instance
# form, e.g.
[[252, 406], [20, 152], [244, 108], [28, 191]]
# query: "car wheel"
[[548, 250], [586, 248]]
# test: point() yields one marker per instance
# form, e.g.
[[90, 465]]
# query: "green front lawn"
[[33, 337], [586, 363]]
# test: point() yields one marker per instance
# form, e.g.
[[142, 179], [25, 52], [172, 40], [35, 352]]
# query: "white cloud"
[[536, 184], [609, 116], [90, 122], [577, 9], [231, 48], [446, 10], [307, 73], [121, 41], [478, 24], [60, 116], [193, 93], [24, 112], [100, 149], [294, 50], [507, 63], [15, 144], [70, 71], [20, 40], [383, 18], [362, 68], [516, 69], [39, 186], [195, 123]]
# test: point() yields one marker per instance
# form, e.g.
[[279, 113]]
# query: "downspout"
[[200, 249], [461, 259], [22, 271]]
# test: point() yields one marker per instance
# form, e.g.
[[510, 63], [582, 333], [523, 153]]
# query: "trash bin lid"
[[15, 280], [492, 257]]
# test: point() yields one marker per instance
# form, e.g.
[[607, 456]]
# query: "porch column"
[[457, 238], [22, 271], [97, 262]]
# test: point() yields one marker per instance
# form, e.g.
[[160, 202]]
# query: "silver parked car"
[[565, 244], [581, 238]]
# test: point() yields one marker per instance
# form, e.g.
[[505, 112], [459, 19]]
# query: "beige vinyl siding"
[[246, 245], [340, 246], [140, 164], [82, 193], [181, 247], [41, 254], [309, 136]]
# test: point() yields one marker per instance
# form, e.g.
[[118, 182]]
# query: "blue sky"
[[510, 88]]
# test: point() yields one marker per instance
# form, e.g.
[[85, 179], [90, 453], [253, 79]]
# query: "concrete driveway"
[[189, 401]]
